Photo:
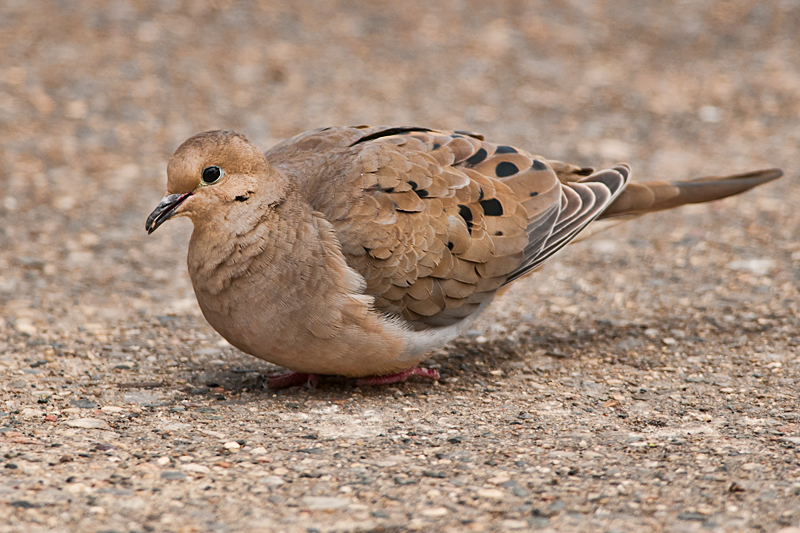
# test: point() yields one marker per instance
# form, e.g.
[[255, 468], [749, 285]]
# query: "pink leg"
[[429, 373], [289, 379]]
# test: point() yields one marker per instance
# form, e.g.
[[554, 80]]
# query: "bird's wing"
[[437, 221]]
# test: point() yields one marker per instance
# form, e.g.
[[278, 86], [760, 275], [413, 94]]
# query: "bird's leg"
[[429, 373], [290, 379]]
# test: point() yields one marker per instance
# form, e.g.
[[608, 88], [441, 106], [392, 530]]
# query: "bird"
[[356, 251]]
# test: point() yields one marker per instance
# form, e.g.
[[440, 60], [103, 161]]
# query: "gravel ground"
[[646, 380]]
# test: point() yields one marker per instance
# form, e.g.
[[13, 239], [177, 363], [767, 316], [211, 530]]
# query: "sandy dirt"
[[646, 380]]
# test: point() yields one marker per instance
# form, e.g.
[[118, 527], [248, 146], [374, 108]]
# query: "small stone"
[[22, 504], [759, 267], [490, 494], [258, 451], [325, 503], [272, 481], [498, 479], [710, 113], [434, 512], [84, 404], [232, 445], [694, 516], [31, 413], [87, 423], [196, 468], [172, 474], [514, 524], [163, 461]]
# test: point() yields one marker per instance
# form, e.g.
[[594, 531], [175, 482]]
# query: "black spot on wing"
[[436, 146], [466, 214], [413, 185], [422, 193], [388, 133], [449, 245], [505, 150], [534, 193], [492, 207], [505, 169], [538, 165], [477, 157]]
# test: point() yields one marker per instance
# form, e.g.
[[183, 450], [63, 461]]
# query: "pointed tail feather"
[[647, 197]]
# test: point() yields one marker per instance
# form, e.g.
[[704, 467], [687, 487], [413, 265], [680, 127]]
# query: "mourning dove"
[[355, 251]]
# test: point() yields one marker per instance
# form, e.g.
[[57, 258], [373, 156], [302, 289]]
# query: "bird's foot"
[[289, 379], [429, 373]]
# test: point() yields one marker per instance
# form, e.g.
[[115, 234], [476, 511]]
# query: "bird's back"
[[437, 222]]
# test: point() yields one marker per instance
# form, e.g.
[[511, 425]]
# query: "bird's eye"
[[212, 175]]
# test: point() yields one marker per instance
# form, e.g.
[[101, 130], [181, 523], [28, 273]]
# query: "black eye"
[[212, 174]]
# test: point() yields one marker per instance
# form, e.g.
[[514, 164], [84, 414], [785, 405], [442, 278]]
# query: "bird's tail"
[[639, 198]]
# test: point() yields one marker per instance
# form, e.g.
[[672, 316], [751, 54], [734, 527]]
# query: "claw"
[[290, 379], [428, 373]]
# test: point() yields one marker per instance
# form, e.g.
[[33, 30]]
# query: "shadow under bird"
[[355, 251]]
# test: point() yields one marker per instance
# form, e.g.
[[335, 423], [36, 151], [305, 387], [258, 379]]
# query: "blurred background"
[[684, 322], [95, 97]]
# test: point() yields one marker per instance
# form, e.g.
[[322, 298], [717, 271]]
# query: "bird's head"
[[217, 176]]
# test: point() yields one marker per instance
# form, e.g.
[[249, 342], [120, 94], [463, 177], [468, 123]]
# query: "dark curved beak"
[[164, 211]]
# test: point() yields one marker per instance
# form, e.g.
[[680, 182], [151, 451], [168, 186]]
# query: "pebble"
[[490, 494], [434, 512], [272, 481], [196, 468], [232, 445], [111, 409], [759, 267], [84, 404], [172, 474], [514, 524], [87, 423], [163, 461], [325, 503]]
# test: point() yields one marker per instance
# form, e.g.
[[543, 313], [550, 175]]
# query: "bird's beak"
[[164, 210]]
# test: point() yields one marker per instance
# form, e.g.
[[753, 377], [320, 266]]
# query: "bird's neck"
[[223, 249]]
